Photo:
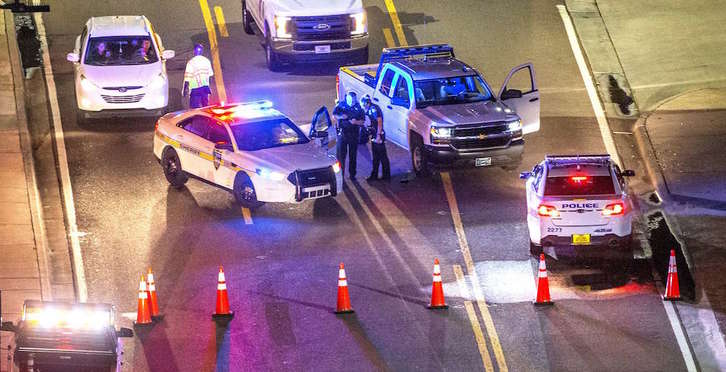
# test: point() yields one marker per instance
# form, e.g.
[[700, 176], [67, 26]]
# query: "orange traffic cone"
[[673, 291], [222, 310], [143, 315], [543, 284], [153, 300], [343, 296], [437, 291]]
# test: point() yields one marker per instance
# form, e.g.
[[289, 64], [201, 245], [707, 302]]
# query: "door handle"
[[375, 99], [534, 99], [389, 107]]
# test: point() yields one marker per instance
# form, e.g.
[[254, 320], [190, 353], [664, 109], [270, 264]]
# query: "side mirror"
[[168, 54], [8, 327], [73, 57], [224, 146], [511, 93], [628, 173], [525, 175], [398, 101], [125, 332]]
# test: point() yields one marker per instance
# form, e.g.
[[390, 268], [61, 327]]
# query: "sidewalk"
[[19, 262]]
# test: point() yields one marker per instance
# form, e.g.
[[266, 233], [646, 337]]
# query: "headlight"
[[282, 29], [514, 126], [87, 84], [157, 82], [359, 23], [438, 132], [270, 175]]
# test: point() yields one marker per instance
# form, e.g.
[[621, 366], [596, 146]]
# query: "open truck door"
[[520, 93]]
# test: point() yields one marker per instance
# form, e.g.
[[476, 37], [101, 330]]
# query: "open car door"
[[520, 93], [322, 130]]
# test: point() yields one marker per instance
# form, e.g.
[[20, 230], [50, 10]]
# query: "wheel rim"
[[248, 193], [170, 166], [417, 158]]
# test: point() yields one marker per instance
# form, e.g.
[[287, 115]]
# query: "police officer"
[[196, 78], [378, 139], [350, 117]]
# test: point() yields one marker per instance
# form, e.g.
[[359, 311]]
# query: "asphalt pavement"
[[281, 269]]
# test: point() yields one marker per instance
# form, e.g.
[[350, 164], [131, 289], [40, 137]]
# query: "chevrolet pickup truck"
[[443, 111], [312, 31]]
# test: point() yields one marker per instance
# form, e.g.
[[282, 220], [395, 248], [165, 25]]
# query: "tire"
[[172, 168], [271, 57], [419, 161], [247, 20], [535, 250], [244, 192]]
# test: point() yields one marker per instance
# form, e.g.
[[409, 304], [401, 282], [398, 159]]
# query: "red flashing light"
[[547, 211], [578, 179], [614, 209]]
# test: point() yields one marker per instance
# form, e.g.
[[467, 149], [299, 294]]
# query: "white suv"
[[578, 201], [120, 69]]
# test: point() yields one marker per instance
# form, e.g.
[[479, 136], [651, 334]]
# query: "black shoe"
[[372, 178]]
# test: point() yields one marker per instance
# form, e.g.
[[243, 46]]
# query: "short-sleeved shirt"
[[374, 113], [348, 129]]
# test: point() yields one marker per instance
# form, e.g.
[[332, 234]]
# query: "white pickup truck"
[[311, 31], [443, 111]]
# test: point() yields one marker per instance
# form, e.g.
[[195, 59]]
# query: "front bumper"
[[284, 191], [511, 155], [139, 101], [293, 50]]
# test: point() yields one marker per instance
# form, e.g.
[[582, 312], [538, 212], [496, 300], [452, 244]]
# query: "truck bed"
[[364, 73]]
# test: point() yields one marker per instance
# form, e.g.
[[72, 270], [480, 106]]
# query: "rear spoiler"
[[602, 159], [416, 51]]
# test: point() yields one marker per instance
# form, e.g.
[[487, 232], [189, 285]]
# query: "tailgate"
[[580, 212]]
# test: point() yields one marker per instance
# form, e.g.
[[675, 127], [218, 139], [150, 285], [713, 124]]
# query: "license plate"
[[581, 239], [483, 162], [321, 49]]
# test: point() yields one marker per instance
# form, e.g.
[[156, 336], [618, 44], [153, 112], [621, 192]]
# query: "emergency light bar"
[[235, 107], [60, 315], [417, 51], [557, 160]]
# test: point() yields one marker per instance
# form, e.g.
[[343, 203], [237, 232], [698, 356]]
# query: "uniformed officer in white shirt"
[[197, 78]]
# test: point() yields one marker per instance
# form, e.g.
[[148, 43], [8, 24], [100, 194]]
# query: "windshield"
[[266, 134], [583, 185], [446, 91], [123, 50]]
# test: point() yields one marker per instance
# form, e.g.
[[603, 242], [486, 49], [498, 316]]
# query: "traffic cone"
[[543, 284], [673, 291], [153, 300], [437, 290], [143, 314], [343, 296], [222, 310]]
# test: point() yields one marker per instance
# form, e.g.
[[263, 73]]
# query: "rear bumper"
[[596, 241], [303, 51], [511, 155]]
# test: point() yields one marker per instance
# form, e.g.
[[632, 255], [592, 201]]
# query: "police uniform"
[[378, 143], [197, 75], [348, 135]]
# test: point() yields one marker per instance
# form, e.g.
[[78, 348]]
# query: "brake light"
[[156, 126], [547, 211], [614, 209], [337, 88], [578, 179]]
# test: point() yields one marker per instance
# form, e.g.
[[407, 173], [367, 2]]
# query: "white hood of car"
[[286, 159], [317, 7], [121, 76]]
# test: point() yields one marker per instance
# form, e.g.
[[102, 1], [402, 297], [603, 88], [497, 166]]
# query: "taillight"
[[547, 211], [614, 209], [337, 88]]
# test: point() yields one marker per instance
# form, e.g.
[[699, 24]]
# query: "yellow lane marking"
[[478, 334], [389, 37], [396, 22], [247, 216], [464, 245], [220, 21], [214, 48]]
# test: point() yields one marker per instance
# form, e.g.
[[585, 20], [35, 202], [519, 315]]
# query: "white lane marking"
[[247, 215], [79, 274], [602, 122], [680, 337]]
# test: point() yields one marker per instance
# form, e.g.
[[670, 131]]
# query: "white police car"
[[250, 149], [578, 200]]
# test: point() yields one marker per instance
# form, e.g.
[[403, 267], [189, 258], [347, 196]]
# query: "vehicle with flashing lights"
[[308, 31], [60, 336], [578, 201], [443, 111], [119, 65], [250, 149]]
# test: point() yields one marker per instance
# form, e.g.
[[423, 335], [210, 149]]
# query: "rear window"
[[590, 185]]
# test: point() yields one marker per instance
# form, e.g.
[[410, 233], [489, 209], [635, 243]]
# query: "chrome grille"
[[467, 144], [334, 27], [480, 129], [123, 99]]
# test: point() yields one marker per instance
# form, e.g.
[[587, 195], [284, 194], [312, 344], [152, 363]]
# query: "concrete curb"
[[36, 208]]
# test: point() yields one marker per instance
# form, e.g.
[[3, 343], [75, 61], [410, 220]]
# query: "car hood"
[[121, 76], [287, 159], [468, 113], [315, 8]]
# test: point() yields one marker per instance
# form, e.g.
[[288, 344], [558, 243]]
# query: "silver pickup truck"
[[443, 111]]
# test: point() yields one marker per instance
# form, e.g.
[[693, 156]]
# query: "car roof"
[[118, 26], [434, 68]]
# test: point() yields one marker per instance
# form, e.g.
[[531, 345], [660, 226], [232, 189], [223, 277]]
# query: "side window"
[[217, 133], [402, 89], [195, 125], [522, 80], [387, 82]]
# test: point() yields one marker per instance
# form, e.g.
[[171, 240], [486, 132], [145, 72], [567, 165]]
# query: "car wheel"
[[244, 192], [247, 20], [172, 168], [535, 250], [271, 57], [419, 162]]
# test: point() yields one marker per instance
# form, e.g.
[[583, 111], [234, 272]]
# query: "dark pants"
[[199, 97], [348, 147], [380, 157]]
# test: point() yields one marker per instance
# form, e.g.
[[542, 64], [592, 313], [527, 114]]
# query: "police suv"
[[577, 201], [250, 149]]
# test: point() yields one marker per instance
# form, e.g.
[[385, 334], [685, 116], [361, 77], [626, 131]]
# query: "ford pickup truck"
[[308, 31], [443, 111]]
